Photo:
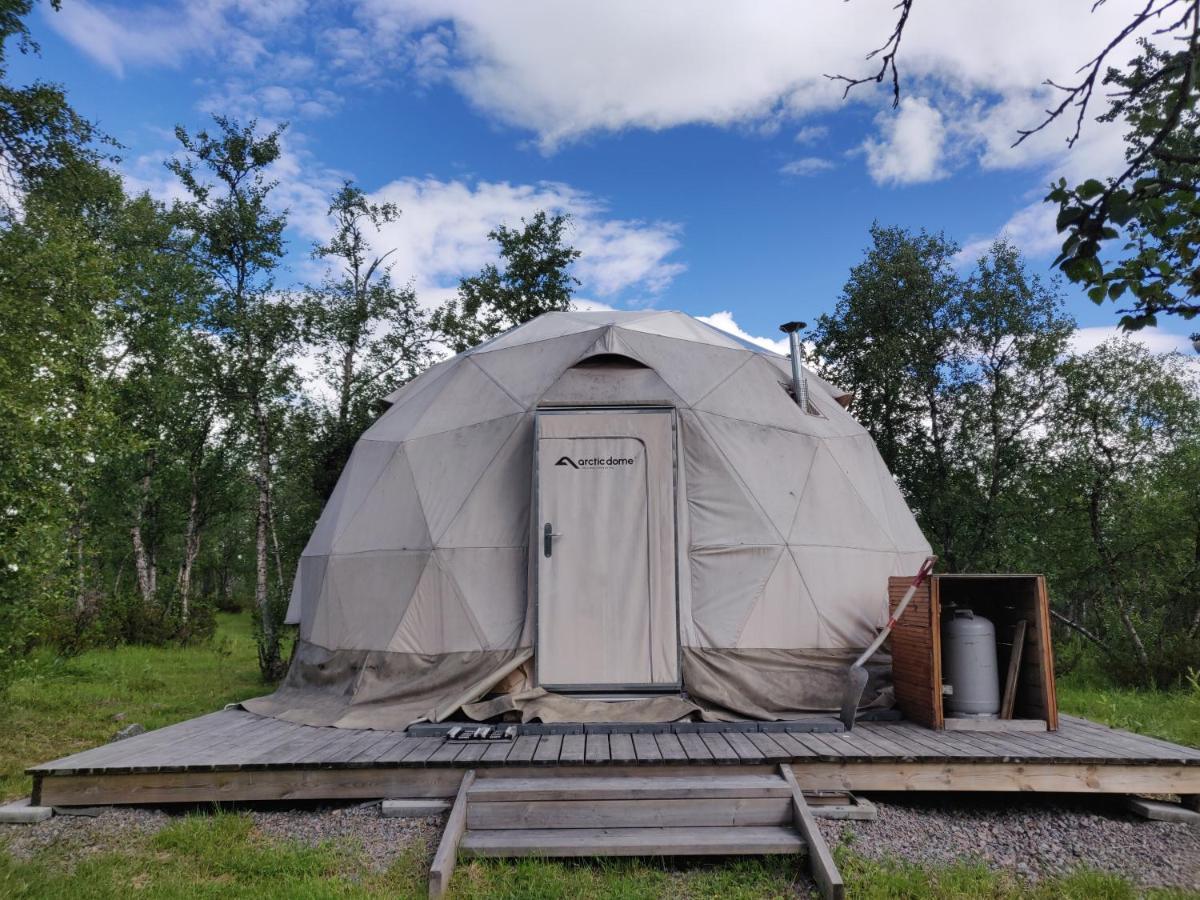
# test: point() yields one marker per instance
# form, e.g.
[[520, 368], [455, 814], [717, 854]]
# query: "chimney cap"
[[789, 327]]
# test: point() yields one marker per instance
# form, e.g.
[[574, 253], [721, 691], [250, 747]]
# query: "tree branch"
[[889, 51]]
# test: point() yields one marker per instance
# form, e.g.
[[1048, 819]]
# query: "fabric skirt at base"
[[390, 691]]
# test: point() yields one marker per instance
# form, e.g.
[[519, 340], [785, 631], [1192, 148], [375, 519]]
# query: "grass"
[[223, 855], [1170, 715], [68, 705]]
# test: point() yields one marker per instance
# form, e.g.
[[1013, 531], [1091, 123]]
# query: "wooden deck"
[[234, 755]]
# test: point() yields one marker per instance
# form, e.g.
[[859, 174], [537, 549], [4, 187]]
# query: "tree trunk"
[[191, 549], [80, 568], [1110, 571], [346, 386], [269, 662], [143, 559]]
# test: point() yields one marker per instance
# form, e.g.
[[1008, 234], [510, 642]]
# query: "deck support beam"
[[447, 852], [443, 781], [820, 861]]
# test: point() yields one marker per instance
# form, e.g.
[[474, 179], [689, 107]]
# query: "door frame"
[[535, 546]]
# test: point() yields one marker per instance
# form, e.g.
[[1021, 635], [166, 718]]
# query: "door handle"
[[548, 536]]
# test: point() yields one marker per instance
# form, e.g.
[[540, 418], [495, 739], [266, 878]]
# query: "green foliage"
[[942, 369], [63, 705], [238, 242], [1017, 455], [371, 336], [536, 279], [1153, 205], [1123, 459], [42, 139], [1173, 715]]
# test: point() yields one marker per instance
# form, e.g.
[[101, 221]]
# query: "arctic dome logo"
[[596, 462]]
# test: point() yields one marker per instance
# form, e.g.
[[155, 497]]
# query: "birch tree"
[[239, 242]]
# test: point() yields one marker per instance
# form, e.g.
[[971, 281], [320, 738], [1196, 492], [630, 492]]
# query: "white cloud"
[[1031, 229], [627, 64], [1156, 340], [910, 148], [808, 165], [441, 235], [119, 36], [810, 134], [724, 320]]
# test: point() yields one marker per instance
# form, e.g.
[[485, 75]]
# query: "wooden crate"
[[917, 646]]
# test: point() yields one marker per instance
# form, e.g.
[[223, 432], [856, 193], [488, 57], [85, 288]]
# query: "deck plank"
[[620, 748], [788, 743], [522, 750], [574, 748], [745, 749], [597, 751], [647, 749], [548, 749], [767, 745], [719, 747], [694, 747], [395, 753], [670, 748]]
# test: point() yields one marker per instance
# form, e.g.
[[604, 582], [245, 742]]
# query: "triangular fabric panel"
[[525, 372], [859, 460], [496, 512], [310, 575], [447, 466], [391, 516], [726, 584], [367, 462], [785, 616], [721, 510], [901, 522], [425, 379], [398, 422], [544, 327], [684, 328], [365, 597], [692, 370], [469, 397], [436, 621], [755, 394], [773, 464], [832, 514], [492, 581], [849, 588]]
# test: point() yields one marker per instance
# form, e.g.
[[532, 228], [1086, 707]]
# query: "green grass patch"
[[223, 855], [1170, 715], [68, 705]]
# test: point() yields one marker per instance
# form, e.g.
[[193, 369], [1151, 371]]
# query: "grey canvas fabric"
[[787, 525]]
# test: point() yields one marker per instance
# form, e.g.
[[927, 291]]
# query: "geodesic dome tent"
[[627, 505]]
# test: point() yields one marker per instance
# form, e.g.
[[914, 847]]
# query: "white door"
[[606, 600]]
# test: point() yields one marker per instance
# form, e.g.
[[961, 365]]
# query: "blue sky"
[[709, 165]]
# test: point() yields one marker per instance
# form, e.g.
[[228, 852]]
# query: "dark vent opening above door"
[[610, 361]]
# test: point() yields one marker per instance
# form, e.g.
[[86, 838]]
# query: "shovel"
[[856, 678]]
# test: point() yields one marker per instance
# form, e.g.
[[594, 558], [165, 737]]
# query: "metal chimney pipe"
[[799, 382]]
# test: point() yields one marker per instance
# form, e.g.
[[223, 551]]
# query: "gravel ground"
[[1033, 836], [381, 840]]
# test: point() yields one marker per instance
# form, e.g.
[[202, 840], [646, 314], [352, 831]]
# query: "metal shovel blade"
[[856, 683]]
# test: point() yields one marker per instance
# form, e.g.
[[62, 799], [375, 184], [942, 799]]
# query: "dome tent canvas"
[[598, 502]]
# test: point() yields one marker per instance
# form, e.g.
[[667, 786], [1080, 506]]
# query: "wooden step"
[[586, 813], [699, 841], [595, 787]]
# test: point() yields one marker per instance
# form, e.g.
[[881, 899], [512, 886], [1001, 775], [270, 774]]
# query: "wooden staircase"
[[599, 815]]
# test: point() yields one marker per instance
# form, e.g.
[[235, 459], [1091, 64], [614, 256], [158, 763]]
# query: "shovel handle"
[[918, 580]]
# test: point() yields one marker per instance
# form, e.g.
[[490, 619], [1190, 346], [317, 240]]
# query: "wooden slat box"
[[916, 642]]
